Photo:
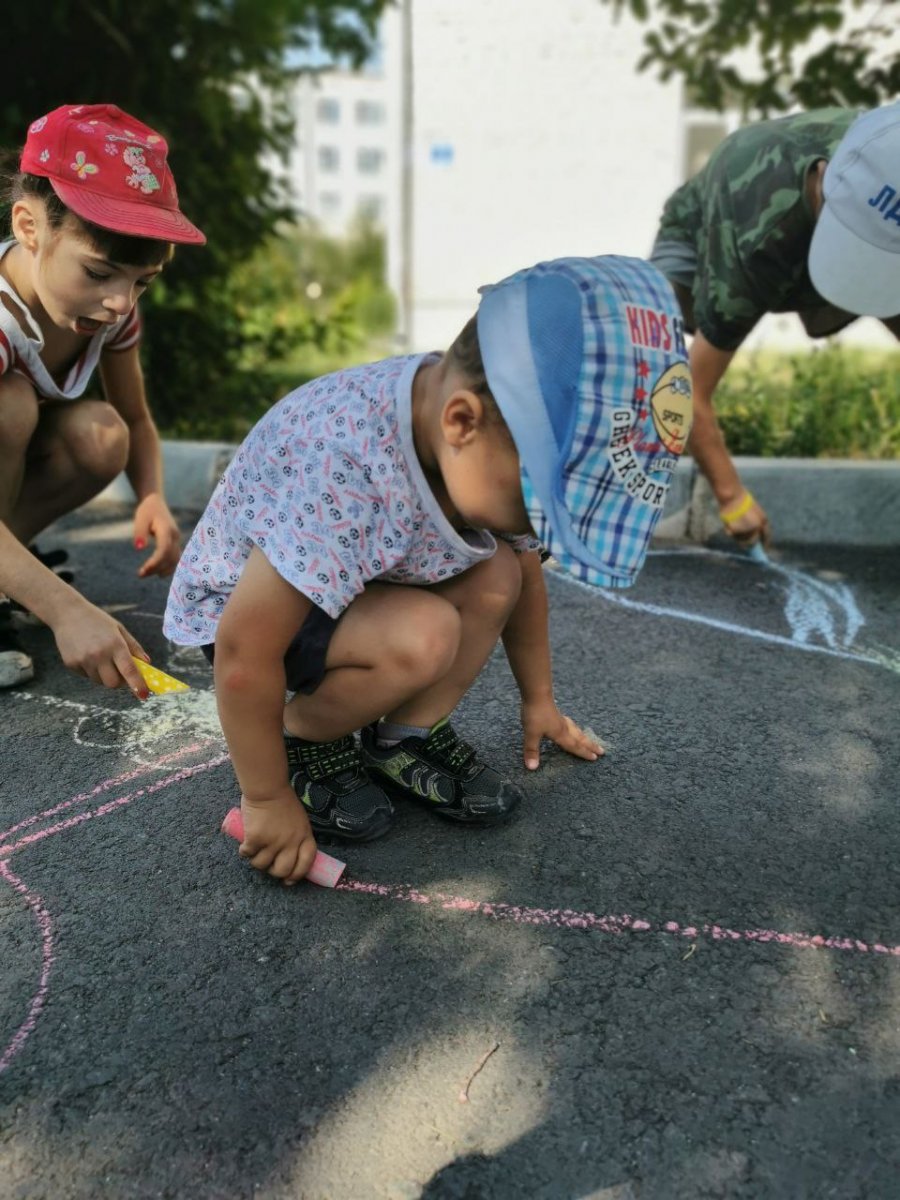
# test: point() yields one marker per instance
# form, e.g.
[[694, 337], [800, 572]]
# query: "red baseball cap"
[[108, 168]]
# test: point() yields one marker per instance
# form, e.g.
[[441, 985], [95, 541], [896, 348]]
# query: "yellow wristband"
[[743, 506]]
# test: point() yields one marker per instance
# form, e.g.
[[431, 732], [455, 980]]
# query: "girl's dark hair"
[[117, 247]]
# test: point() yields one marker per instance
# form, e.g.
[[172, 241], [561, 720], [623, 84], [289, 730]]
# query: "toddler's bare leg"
[[484, 597], [77, 448], [391, 642], [409, 653]]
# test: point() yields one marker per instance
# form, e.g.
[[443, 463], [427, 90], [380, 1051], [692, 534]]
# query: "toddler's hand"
[[152, 518], [277, 836], [543, 719]]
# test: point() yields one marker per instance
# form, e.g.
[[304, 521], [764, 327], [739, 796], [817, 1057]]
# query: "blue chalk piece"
[[757, 554]]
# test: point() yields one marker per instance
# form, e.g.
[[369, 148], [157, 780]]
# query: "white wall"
[[533, 138]]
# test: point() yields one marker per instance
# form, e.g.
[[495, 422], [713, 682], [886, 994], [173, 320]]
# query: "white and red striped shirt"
[[21, 351]]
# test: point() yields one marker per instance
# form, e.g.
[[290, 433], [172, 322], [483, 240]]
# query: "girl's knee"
[[18, 414], [97, 440]]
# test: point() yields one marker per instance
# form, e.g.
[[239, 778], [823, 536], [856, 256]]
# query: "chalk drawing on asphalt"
[[140, 730], [822, 615]]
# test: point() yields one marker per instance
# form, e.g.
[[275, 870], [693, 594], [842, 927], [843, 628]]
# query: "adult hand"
[[542, 719], [94, 644], [152, 518], [278, 838], [746, 521]]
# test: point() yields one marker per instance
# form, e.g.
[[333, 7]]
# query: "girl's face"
[[78, 288]]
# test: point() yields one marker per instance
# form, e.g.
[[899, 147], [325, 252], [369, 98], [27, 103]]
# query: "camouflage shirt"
[[747, 217]]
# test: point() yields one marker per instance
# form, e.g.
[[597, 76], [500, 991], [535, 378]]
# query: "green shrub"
[[301, 306], [835, 402]]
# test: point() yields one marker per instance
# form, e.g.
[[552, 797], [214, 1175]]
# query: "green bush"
[[301, 306], [835, 402]]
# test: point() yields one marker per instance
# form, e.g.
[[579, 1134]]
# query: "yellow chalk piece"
[[158, 681]]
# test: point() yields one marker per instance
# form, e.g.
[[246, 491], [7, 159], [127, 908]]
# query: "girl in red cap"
[[94, 213]]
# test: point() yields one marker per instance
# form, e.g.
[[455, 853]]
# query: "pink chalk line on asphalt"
[[106, 786], [39, 999], [34, 901], [10, 848], [567, 918], [496, 910]]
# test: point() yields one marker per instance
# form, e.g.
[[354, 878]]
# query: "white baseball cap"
[[854, 256]]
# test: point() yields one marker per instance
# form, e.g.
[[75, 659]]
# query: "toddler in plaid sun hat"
[[586, 360]]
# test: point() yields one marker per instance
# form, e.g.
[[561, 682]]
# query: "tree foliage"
[[767, 56], [211, 75]]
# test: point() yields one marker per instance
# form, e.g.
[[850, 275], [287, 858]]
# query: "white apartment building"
[[344, 160]]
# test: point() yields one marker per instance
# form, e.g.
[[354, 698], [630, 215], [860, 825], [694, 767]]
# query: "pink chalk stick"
[[325, 870]]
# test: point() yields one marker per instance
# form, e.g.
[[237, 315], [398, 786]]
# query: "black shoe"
[[15, 665], [443, 772], [340, 799]]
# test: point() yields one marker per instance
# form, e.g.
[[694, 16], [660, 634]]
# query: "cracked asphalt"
[[675, 974]]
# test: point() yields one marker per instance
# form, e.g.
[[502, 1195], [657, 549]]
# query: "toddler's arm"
[[260, 619], [123, 385], [527, 643]]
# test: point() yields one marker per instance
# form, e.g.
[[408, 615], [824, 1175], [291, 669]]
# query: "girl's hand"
[[278, 838], [543, 719], [152, 518], [94, 644]]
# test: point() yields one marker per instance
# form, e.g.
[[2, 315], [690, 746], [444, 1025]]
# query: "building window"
[[329, 158], [329, 204], [369, 112], [369, 160], [328, 110], [372, 208]]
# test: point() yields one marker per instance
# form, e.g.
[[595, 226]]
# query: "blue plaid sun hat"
[[587, 362]]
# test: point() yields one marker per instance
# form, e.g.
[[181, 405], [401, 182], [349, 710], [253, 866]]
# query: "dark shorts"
[[304, 663]]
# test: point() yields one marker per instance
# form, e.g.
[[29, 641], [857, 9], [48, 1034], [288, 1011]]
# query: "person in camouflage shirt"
[[734, 241]]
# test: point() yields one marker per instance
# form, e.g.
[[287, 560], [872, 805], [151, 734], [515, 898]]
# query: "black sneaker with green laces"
[[15, 665], [444, 773], [334, 787]]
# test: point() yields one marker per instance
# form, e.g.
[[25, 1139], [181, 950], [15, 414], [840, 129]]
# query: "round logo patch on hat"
[[671, 405]]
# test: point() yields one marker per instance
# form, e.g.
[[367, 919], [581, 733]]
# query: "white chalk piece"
[[325, 870]]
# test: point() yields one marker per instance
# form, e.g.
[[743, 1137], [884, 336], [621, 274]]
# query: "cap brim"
[[135, 218], [851, 273]]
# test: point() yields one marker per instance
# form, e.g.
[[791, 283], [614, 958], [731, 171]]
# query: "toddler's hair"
[[117, 247], [465, 355]]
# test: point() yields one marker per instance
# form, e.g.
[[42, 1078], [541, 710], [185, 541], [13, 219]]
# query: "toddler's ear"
[[462, 417]]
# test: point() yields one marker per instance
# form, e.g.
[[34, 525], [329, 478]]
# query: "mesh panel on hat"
[[557, 344]]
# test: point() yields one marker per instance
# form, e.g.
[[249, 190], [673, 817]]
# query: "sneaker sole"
[[15, 668]]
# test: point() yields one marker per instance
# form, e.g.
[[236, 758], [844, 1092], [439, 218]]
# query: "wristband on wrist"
[[743, 506]]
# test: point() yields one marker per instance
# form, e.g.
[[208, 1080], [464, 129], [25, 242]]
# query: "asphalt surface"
[[678, 969]]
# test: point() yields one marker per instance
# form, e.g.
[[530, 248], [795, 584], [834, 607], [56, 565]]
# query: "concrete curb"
[[838, 502]]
